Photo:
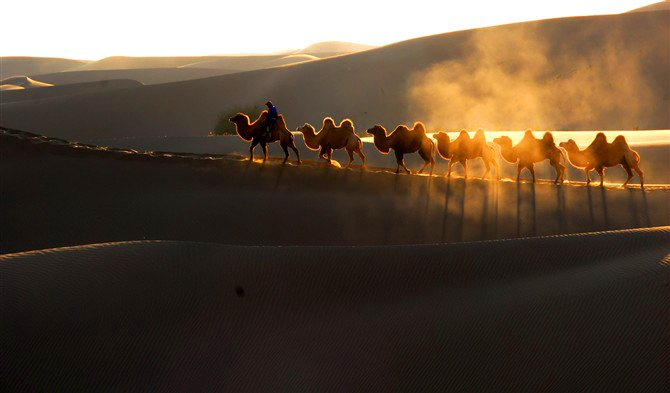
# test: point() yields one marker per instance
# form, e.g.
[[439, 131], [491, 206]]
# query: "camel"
[[252, 132], [531, 150], [464, 148], [600, 155], [405, 141], [332, 137]]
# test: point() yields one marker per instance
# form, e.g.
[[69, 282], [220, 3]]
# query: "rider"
[[270, 120]]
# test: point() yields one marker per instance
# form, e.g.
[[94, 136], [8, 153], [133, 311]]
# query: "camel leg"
[[601, 172], [265, 151], [497, 167], [531, 168], [559, 168], [351, 157], [401, 162], [628, 171], [362, 156], [488, 168], [251, 149], [295, 150], [425, 164], [451, 162], [330, 155], [465, 168], [637, 169], [589, 167], [285, 148], [322, 153], [519, 168]]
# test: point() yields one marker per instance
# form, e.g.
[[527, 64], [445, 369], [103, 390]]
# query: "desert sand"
[[139, 254], [17, 65]]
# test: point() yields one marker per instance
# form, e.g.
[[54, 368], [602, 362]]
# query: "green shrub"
[[223, 126]]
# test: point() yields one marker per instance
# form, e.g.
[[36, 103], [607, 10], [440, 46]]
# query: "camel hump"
[[328, 122], [419, 127], [620, 139], [347, 123], [548, 139]]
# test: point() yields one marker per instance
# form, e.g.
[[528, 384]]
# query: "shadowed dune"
[[364, 87], [147, 76], [20, 65], [660, 6], [68, 89], [25, 82], [571, 313], [55, 193]]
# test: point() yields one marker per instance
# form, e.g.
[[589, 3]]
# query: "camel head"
[[503, 141], [306, 128], [570, 145], [376, 130], [441, 138]]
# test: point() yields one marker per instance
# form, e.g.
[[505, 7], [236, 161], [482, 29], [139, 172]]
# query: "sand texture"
[[570, 313]]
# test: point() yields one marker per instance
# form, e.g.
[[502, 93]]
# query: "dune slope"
[[556, 74], [11, 66], [571, 313], [56, 194]]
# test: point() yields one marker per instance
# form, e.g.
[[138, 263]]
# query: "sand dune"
[[248, 63], [335, 47], [68, 89], [377, 86], [60, 194], [571, 313], [128, 62], [25, 82], [146, 76], [660, 6], [12, 66]]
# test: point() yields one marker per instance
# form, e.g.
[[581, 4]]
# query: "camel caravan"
[[599, 155]]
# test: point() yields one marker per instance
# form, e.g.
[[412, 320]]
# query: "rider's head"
[[269, 104]]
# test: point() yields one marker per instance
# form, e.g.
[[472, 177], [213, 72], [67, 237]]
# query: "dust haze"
[[519, 80]]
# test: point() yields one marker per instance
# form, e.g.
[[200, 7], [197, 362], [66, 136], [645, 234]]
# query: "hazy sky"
[[85, 29]]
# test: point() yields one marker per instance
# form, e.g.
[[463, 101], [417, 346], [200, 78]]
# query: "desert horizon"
[[418, 197]]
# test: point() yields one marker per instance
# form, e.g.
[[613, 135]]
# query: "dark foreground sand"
[[556, 314], [563, 313], [66, 195]]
